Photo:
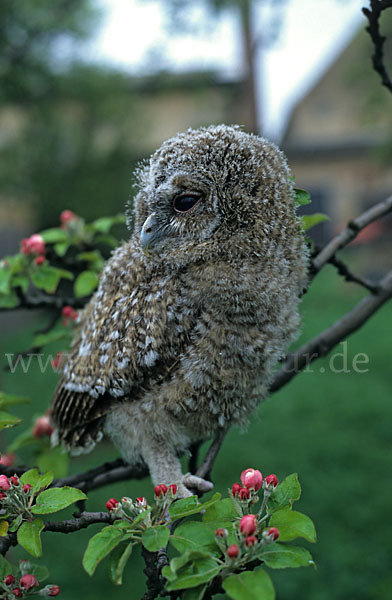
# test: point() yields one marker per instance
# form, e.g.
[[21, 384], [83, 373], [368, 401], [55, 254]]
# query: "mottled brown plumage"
[[183, 339]]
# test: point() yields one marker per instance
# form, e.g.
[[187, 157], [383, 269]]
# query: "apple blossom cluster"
[[15, 497], [69, 314], [251, 531], [66, 217], [25, 584], [129, 509], [34, 246]]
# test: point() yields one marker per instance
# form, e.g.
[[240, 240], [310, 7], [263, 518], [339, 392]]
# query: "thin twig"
[[34, 301], [373, 16], [323, 343], [80, 522], [350, 232], [205, 468], [348, 275]]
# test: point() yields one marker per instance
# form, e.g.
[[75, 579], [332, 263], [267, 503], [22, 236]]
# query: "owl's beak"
[[149, 234]]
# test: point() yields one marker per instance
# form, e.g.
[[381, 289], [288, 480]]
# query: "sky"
[[134, 36]]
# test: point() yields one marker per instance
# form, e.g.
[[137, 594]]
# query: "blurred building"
[[339, 140]]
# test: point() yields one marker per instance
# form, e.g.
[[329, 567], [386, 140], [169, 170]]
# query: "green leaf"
[[94, 258], [7, 420], [5, 278], [250, 585], [309, 221], [292, 524], [45, 278], [61, 248], [104, 224], [194, 535], [9, 301], [301, 197], [23, 439], [221, 511], [31, 477], [56, 499], [55, 460], [117, 561], [5, 527], [190, 570], [100, 545], [7, 400], [16, 523], [190, 506], [281, 556], [44, 481], [43, 339], [40, 572], [85, 283], [154, 538], [53, 235], [29, 536], [285, 494], [20, 281], [196, 593], [5, 567]]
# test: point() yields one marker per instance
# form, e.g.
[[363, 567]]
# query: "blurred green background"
[[71, 133]]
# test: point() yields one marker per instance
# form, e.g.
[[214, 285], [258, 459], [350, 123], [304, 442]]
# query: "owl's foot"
[[192, 484]]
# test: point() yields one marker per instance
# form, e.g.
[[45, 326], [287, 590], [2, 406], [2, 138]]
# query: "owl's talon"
[[198, 484]]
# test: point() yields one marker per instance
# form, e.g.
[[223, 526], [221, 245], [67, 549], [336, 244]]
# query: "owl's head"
[[205, 186]]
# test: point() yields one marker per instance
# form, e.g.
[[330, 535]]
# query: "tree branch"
[[323, 343], [373, 16], [350, 233], [206, 466], [80, 522], [34, 301]]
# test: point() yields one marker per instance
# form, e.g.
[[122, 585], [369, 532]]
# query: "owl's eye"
[[186, 201]]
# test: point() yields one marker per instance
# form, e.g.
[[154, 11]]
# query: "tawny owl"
[[193, 313]]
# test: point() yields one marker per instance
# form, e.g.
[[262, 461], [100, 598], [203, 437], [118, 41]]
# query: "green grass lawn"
[[333, 428]]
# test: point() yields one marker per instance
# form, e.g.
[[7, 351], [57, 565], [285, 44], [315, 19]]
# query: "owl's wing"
[[130, 336]]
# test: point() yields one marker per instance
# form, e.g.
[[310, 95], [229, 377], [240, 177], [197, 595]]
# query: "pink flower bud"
[[272, 533], [173, 489], [251, 541], [42, 427], [233, 551], [66, 216], [221, 533], [69, 313], [39, 260], [248, 524], [35, 244], [252, 479], [111, 504], [7, 459], [17, 592], [271, 481], [9, 580], [24, 566], [141, 502], [4, 483], [26, 488], [14, 480], [2, 496], [28, 581], [235, 488], [53, 590], [244, 494], [160, 490]]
